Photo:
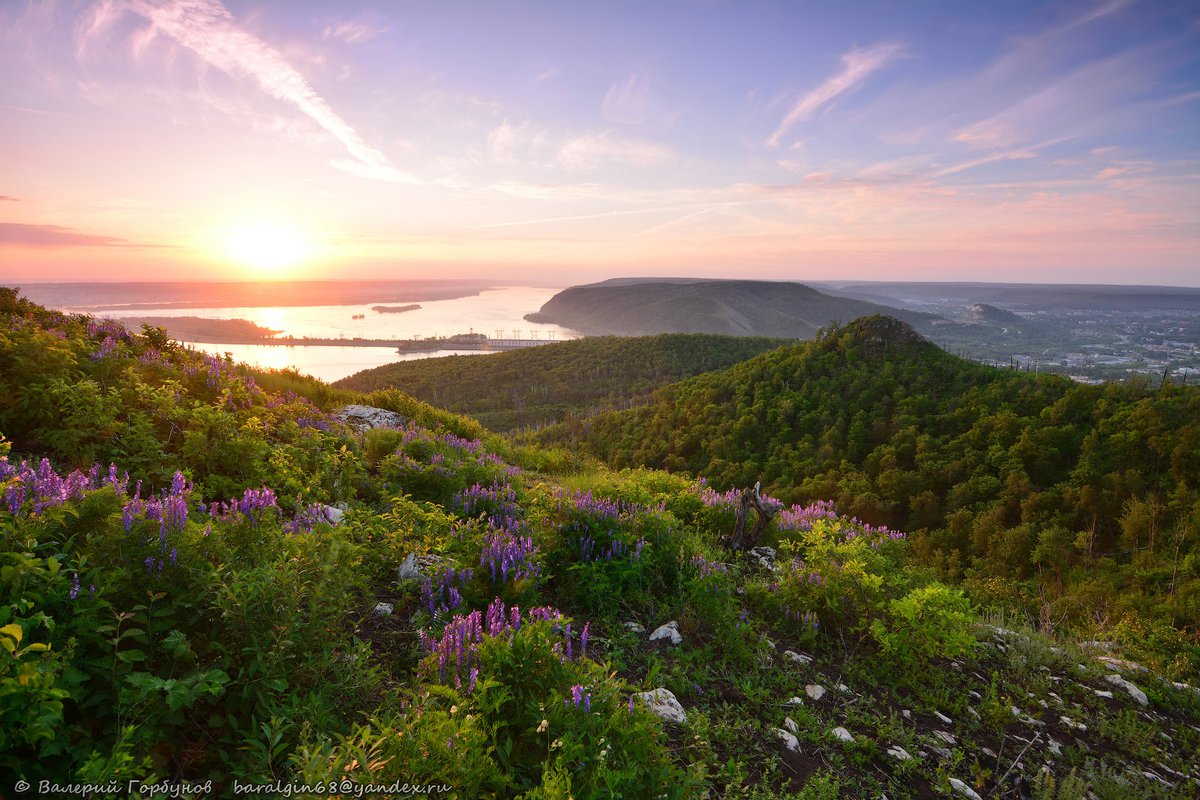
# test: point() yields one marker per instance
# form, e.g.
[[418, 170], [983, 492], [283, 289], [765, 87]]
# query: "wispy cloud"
[[9, 199], [22, 235], [591, 151], [628, 102], [857, 66], [208, 29], [350, 32]]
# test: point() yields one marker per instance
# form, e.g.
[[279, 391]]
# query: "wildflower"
[[583, 640], [544, 726], [75, 586]]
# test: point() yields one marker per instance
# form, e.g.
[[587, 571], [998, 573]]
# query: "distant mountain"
[[1024, 296], [984, 314], [543, 385], [739, 308]]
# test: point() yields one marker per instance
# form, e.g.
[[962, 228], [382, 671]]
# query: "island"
[[395, 309]]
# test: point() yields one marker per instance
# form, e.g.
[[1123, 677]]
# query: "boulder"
[[789, 740], [964, 790], [668, 631], [364, 418], [843, 734], [815, 691], [1134, 692], [763, 556], [899, 753], [384, 609], [662, 704], [799, 658], [334, 515]]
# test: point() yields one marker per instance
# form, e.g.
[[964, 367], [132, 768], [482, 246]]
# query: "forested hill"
[[1088, 491], [542, 385], [741, 308]]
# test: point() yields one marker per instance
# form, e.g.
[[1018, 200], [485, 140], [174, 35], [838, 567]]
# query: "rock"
[[764, 556], [1054, 747], [634, 627], [906, 713], [384, 609], [989, 752], [899, 753], [974, 694], [668, 631], [408, 568], [815, 691], [1120, 664], [843, 688], [334, 515], [789, 740], [948, 738], [662, 704], [843, 734], [364, 418], [941, 752], [963, 789], [795, 701], [945, 720], [1103, 693], [791, 725], [1134, 692], [799, 658], [1072, 724]]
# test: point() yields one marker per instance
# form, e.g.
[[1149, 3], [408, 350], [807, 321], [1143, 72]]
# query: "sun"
[[267, 248]]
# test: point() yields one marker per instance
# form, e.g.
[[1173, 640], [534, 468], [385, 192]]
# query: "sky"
[[564, 142]]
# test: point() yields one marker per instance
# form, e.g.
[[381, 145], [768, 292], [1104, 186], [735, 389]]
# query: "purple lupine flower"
[[74, 586], [583, 640], [474, 675], [630, 704], [92, 591]]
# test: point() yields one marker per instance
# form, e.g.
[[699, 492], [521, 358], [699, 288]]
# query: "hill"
[[996, 474], [221, 582], [538, 386], [739, 308]]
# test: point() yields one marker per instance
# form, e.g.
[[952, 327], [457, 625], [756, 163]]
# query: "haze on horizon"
[[199, 140]]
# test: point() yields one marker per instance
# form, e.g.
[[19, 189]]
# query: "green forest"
[[218, 581], [535, 387]]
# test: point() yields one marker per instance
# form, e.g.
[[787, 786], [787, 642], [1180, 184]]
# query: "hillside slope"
[[739, 308], [994, 472], [255, 595], [539, 386]]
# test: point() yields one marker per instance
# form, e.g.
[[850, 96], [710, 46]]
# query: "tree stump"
[[740, 539]]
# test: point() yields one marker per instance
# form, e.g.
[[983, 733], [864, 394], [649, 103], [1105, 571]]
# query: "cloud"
[[589, 152], [9, 199], [350, 32], [628, 102], [21, 235], [207, 28], [857, 66]]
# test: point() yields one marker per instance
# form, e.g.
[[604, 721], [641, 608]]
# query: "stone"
[[799, 658], [384, 609], [662, 704], [1103, 693], [1134, 692], [791, 725], [634, 627], [1120, 664], [1054, 747], [948, 738], [334, 515], [989, 752], [906, 713], [764, 556], [964, 790], [899, 753], [364, 418], [941, 752], [945, 720], [843, 734], [668, 631], [788, 739], [408, 568], [795, 701], [815, 691]]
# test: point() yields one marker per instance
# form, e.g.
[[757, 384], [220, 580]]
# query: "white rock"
[[941, 752], [1120, 664], [1103, 693], [989, 752], [795, 701], [1134, 692], [408, 568], [764, 556], [669, 631], [662, 704], [963, 789], [899, 753], [906, 713], [791, 725], [948, 738], [789, 741], [843, 734], [946, 720], [334, 515], [1054, 747], [841, 687], [364, 418], [815, 691], [635, 627], [799, 658], [384, 609]]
